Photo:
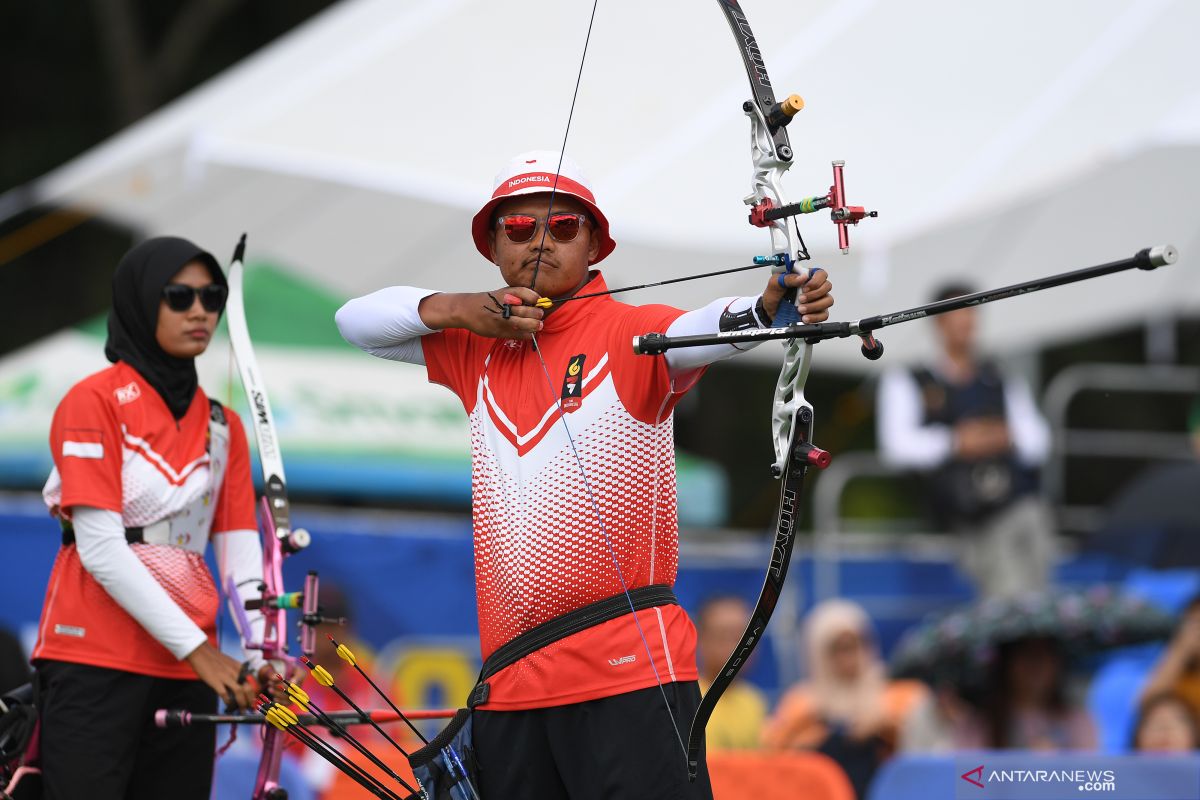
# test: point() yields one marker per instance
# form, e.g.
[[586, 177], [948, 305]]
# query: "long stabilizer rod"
[[656, 343]]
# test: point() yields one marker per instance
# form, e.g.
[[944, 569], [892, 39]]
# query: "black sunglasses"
[[180, 296]]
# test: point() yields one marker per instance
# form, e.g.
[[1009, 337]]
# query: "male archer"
[[579, 697]]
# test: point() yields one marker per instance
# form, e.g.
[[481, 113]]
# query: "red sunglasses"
[[563, 227]]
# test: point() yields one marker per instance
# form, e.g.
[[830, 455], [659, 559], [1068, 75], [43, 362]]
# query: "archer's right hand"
[[483, 312], [223, 675]]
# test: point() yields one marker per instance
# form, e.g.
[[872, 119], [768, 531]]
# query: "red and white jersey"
[[117, 447], [540, 551]]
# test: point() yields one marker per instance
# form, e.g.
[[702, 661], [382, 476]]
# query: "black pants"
[[98, 739], [616, 748]]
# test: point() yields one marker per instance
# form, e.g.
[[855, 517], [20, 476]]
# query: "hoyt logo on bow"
[[572, 386]]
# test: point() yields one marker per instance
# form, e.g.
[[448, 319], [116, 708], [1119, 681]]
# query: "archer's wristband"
[[755, 317]]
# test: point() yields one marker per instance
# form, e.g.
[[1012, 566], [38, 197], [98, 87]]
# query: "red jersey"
[[540, 551], [117, 447]]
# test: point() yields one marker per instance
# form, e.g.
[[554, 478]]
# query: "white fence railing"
[[829, 526]]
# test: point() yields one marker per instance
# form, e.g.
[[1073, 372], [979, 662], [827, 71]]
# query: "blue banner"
[[407, 582]]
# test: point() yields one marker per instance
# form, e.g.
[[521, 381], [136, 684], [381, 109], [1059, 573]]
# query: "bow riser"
[[771, 157], [789, 400], [765, 183]]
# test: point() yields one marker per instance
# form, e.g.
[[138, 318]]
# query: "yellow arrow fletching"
[[345, 654], [544, 302], [275, 719], [298, 695], [322, 675]]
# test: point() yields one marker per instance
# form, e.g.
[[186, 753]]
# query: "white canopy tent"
[[999, 142]]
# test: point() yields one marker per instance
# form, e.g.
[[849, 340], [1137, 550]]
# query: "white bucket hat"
[[533, 172]]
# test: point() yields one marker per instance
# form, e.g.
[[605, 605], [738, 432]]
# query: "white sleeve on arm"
[[103, 551], [239, 556], [1028, 428], [708, 320], [386, 323], [904, 441]]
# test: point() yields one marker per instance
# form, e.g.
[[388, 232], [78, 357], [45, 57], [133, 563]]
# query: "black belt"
[[561, 627], [132, 535]]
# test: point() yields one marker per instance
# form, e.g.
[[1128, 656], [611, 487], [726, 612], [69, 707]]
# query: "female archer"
[[146, 471]]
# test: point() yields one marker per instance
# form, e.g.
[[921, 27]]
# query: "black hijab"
[[137, 289]]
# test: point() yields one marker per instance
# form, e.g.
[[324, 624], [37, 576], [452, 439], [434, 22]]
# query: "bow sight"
[[764, 212]]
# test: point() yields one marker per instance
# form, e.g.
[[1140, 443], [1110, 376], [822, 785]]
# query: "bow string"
[[278, 537]]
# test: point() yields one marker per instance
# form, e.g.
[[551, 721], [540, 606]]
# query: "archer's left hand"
[[813, 298]]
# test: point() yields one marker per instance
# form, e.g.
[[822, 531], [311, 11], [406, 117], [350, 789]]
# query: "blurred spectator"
[[1002, 669], [1178, 670], [1025, 706], [1166, 724], [847, 709], [737, 721], [14, 664], [979, 438], [937, 723]]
